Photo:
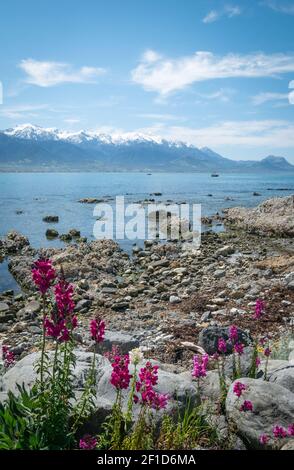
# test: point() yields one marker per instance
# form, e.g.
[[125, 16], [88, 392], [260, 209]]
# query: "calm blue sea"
[[40, 194]]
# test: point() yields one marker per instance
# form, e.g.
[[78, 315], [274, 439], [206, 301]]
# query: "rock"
[[120, 306], [15, 242], [256, 194], [74, 233], [65, 237], [32, 307], [83, 304], [90, 200], [273, 216], [4, 307], [174, 299], [208, 338], [284, 377], [51, 218], [51, 233], [272, 405], [124, 341], [289, 445], [225, 251], [219, 273]]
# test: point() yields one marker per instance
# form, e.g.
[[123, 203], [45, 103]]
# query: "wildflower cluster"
[[97, 329], [8, 356], [259, 309], [239, 388], [62, 320], [148, 378], [200, 366], [88, 442], [43, 274], [120, 377]]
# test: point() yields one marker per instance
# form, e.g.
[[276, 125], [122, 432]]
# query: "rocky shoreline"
[[163, 295], [170, 301]]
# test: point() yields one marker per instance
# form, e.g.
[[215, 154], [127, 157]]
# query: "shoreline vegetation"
[[164, 349]]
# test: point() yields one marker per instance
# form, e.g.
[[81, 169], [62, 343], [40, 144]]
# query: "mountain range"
[[33, 148]]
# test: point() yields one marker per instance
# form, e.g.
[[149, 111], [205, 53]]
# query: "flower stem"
[[43, 344]]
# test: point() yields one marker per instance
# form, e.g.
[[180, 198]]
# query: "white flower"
[[136, 356]]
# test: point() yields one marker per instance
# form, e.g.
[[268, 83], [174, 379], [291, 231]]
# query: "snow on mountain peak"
[[33, 132]]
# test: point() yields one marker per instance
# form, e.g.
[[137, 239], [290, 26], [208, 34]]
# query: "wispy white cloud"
[[255, 133], [22, 111], [264, 97], [46, 74], [286, 7], [72, 120], [223, 94], [291, 93], [164, 75], [164, 117], [228, 11], [211, 16]]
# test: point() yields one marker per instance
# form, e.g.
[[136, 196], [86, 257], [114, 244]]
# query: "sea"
[[25, 198]]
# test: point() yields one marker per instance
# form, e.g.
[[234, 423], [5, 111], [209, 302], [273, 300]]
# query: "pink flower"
[[259, 309], [97, 330], [239, 388], [120, 376], [62, 321], [159, 401], [63, 297], [279, 432], [222, 346], [148, 378], [239, 348], [200, 365], [88, 442], [233, 333], [257, 362], [264, 438], [8, 356], [43, 274], [246, 406], [57, 329], [267, 352], [291, 430]]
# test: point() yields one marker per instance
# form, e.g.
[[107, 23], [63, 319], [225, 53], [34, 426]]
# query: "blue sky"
[[210, 72]]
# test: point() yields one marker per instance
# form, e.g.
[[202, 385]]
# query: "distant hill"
[[33, 148]]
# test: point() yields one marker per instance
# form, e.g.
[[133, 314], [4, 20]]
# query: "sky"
[[208, 72]]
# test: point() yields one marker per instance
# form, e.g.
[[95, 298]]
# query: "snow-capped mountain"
[[28, 147], [37, 133]]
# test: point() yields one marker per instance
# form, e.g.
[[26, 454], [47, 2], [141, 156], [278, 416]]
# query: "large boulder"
[[209, 337], [284, 376], [272, 405]]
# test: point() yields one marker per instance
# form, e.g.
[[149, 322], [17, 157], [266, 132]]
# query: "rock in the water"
[[65, 237], [272, 405], [208, 338], [74, 233], [51, 233], [51, 218]]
